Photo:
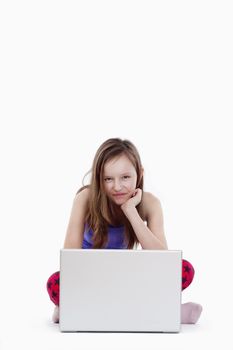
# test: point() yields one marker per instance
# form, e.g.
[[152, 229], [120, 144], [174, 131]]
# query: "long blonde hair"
[[100, 211]]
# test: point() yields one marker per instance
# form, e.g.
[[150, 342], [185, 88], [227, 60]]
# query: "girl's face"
[[120, 179]]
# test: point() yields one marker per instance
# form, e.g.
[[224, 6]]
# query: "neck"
[[118, 216]]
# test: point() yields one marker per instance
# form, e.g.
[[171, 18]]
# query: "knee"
[[53, 287], [53, 280], [187, 273]]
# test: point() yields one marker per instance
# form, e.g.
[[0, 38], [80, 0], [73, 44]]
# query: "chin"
[[119, 201]]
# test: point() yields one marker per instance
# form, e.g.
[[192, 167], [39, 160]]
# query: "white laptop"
[[111, 290]]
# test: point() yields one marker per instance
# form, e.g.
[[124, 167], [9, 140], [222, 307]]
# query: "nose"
[[117, 186]]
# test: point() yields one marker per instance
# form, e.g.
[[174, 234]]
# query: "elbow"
[[155, 246], [72, 244]]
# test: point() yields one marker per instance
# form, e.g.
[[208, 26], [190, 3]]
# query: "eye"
[[107, 179], [126, 177]]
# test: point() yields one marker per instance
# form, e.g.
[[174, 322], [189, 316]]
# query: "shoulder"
[[150, 204], [83, 192], [82, 196]]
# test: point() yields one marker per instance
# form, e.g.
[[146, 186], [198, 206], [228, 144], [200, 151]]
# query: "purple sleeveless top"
[[115, 238]]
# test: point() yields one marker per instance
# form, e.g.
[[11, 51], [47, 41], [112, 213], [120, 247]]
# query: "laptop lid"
[[114, 290]]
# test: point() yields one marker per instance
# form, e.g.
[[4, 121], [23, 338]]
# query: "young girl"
[[112, 211]]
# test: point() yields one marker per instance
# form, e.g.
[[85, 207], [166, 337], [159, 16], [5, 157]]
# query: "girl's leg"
[[190, 312], [53, 287]]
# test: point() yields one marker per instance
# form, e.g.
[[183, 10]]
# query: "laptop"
[[111, 290]]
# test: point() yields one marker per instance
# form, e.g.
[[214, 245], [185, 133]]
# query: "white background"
[[74, 73]]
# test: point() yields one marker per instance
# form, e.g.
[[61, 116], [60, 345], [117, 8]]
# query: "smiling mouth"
[[119, 195]]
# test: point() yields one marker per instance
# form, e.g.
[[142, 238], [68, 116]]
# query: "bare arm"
[[75, 229], [151, 236]]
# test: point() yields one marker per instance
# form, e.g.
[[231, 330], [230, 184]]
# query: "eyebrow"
[[127, 173]]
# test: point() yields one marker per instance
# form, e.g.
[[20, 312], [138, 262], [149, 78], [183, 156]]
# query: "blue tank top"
[[115, 238]]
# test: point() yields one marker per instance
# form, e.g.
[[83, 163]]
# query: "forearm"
[[146, 238]]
